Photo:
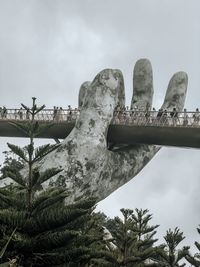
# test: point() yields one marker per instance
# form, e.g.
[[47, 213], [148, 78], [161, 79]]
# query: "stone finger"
[[98, 101], [176, 92], [142, 85]]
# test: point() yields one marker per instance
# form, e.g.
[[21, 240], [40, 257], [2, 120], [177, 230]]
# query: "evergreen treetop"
[[36, 226]]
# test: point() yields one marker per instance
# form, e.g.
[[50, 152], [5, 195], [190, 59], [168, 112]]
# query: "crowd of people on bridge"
[[122, 115], [69, 114], [152, 117], [57, 114]]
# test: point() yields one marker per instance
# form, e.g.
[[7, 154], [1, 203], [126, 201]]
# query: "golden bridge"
[[130, 127]]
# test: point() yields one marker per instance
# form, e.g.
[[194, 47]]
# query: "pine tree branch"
[[18, 151], [12, 201], [51, 220], [13, 218], [23, 127], [15, 176], [48, 200], [42, 151], [44, 176]]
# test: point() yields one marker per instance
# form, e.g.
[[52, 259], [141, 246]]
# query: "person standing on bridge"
[[185, 117], [165, 118], [57, 114], [159, 115], [27, 115], [69, 113], [153, 116], [20, 112], [60, 112], [120, 114], [196, 117], [15, 114], [126, 117], [4, 112], [54, 112], [147, 115], [135, 115], [174, 116]]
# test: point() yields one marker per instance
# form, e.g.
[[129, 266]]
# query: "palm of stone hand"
[[89, 168]]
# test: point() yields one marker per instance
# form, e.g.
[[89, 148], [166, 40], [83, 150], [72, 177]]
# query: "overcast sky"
[[49, 47]]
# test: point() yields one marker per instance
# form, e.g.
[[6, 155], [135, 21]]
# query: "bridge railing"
[[127, 117], [44, 115], [156, 118]]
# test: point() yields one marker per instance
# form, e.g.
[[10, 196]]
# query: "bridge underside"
[[122, 134]]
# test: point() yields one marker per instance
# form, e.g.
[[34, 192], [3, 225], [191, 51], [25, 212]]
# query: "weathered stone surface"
[[176, 91], [142, 84], [88, 166]]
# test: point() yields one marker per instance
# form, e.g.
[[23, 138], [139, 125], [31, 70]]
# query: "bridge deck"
[[128, 127], [122, 134]]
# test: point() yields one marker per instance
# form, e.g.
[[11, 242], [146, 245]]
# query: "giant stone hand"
[[89, 168]]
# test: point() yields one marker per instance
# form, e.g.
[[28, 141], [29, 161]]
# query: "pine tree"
[[168, 255], [133, 238], [195, 260], [45, 232], [11, 161]]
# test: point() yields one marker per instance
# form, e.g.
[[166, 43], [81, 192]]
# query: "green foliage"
[[36, 227], [42, 151], [133, 238], [168, 255], [195, 260], [14, 163], [18, 151]]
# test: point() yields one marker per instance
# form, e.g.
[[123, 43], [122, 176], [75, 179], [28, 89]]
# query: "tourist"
[[54, 112], [147, 116], [60, 114], [159, 115], [174, 116], [196, 117], [15, 114], [135, 114], [165, 118], [20, 113], [120, 116], [125, 117], [185, 117], [57, 114], [4, 112], [128, 118], [27, 115], [123, 108], [69, 113], [153, 115]]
